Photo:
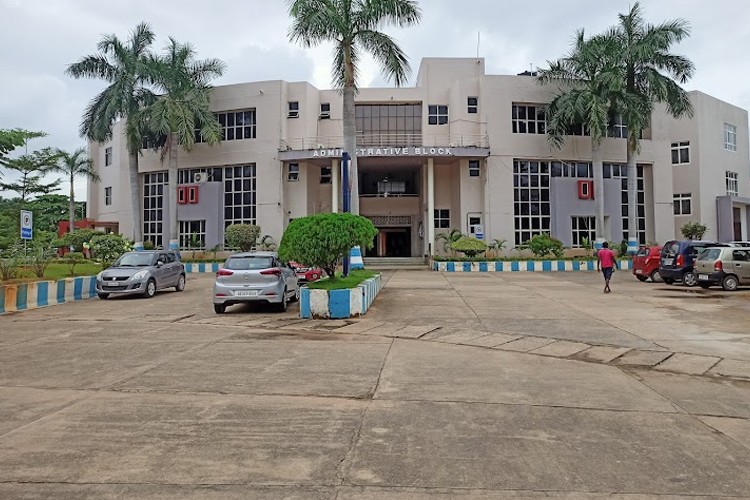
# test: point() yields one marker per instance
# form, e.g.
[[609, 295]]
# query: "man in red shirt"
[[606, 264]]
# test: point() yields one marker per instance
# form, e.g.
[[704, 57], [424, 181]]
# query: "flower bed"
[[341, 303]]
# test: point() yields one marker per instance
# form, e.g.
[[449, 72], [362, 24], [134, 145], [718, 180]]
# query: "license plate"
[[703, 276], [246, 293], [114, 283], [667, 262]]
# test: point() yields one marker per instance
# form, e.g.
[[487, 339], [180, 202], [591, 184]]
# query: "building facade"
[[459, 150]]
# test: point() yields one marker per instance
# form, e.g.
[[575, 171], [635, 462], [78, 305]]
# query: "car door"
[[741, 265], [160, 271], [173, 269], [290, 276]]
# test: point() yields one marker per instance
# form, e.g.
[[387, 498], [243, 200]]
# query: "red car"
[[306, 274], [646, 264]]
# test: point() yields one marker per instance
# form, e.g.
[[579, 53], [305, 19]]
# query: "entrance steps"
[[395, 263]]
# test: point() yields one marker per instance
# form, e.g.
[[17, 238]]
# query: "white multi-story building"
[[459, 150]]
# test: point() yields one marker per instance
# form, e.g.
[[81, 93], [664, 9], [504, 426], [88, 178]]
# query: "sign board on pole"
[[479, 232], [27, 221]]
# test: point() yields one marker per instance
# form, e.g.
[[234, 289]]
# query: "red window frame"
[[585, 190]]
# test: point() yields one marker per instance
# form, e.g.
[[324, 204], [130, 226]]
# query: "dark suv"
[[678, 257]]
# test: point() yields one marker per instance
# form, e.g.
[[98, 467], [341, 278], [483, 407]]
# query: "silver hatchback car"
[[141, 273], [255, 277]]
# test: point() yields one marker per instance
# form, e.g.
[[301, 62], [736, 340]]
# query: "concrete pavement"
[[453, 386]]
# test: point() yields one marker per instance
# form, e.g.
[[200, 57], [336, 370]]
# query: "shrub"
[[38, 260], [72, 259], [242, 236], [448, 239], [148, 245], [77, 238], [107, 247], [471, 247], [323, 240], [693, 230], [543, 244], [9, 260]]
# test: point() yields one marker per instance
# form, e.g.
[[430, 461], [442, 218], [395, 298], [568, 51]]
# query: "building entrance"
[[391, 242]]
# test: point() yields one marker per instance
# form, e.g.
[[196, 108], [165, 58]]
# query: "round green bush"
[[471, 247], [242, 236]]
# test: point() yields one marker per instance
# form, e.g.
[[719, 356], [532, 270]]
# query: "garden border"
[[499, 266], [35, 294], [342, 303]]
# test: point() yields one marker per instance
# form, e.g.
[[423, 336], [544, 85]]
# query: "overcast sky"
[[39, 38]]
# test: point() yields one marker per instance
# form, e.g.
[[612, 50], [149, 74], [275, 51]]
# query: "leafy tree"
[[471, 247], [352, 26], [693, 230], [448, 239], [73, 259], [589, 91], [73, 165], [122, 65], [50, 209], [242, 236], [543, 244], [323, 240], [108, 247], [32, 168], [10, 259], [11, 139], [651, 74], [77, 238], [183, 108]]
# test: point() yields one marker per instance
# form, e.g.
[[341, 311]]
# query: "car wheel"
[[150, 290], [690, 278], [103, 296], [641, 278], [705, 286], [730, 283], [284, 301], [656, 276], [219, 308], [180, 283], [668, 281]]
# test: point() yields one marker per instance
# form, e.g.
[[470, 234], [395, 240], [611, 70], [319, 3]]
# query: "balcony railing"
[[380, 140]]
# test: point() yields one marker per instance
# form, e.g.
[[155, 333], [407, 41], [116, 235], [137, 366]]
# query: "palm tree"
[[122, 66], [182, 109], [645, 57], [590, 90], [352, 26], [73, 165]]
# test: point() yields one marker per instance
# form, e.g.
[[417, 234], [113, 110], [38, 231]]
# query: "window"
[[293, 109], [154, 186], [293, 172], [108, 195], [584, 228], [620, 171], [325, 110], [472, 104], [682, 204], [325, 175], [680, 153], [531, 197], [389, 124], [581, 170], [437, 114], [617, 128], [473, 168], [239, 195], [235, 125], [730, 137], [193, 234], [196, 175], [528, 119], [442, 218], [732, 184], [108, 156]]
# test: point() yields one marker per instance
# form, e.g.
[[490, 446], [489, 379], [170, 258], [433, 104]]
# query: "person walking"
[[606, 264]]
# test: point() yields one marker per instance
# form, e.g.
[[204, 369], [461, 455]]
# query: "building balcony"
[[387, 140]]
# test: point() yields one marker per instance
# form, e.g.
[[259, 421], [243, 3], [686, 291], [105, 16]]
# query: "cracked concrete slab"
[[687, 363], [561, 349], [601, 354], [732, 368], [637, 357], [525, 344]]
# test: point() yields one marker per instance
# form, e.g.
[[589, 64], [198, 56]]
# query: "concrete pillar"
[[335, 185], [430, 205]]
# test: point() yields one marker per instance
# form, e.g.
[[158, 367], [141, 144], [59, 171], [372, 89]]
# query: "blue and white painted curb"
[[522, 266], [203, 267], [355, 259], [23, 296], [345, 303]]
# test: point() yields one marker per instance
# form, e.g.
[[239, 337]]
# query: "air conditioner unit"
[[200, 177], [324, 115], [292, 114]]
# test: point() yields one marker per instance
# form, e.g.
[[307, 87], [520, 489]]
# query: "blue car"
[[678, 258]]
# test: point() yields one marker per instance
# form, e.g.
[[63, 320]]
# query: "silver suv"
[[725, 266], [141, 273]]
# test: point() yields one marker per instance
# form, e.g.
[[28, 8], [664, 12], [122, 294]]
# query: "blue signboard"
[[27, 222]]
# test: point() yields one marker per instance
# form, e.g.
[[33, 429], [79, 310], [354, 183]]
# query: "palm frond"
[[393, 62]]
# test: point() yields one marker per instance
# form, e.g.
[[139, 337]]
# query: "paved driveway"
[[453, 386]]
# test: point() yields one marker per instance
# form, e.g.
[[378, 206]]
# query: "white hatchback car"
[[255, 277]]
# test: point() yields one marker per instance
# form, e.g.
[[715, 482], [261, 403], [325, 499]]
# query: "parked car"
[[739, 243], [306, 274], [255, 277], [725, 266], [646, 263], [141, 273], [677, 258]]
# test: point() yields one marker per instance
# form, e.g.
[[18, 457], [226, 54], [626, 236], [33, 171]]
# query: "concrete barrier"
[[345, 303], [522, 266], [203, 267], [23, 296]]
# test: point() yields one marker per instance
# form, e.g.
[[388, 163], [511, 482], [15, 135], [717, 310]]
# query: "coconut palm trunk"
[[350, 146], [597, 165], [173, 145], [71, 205], [135, 200], [632, 170]]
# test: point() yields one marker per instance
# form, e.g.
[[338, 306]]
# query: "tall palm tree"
[[649, 72], [352, 26], [75, 164], [589, 91], [121, 64], [180, 110]]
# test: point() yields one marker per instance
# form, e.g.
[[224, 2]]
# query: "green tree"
[[182, 108], [75, 164], [31, 168], [122, 65], [14, 138], [77, 238], [107, 247], [322, 240], [471, 247], [353, 27], [448, 239], [589, 91], [49, 210], [693, 230], [242, 236], [648, 71]]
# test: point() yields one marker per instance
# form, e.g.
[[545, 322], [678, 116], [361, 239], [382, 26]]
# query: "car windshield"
[[710, 254], [643, 252], [672, 249], [248, 263], [135, 259]]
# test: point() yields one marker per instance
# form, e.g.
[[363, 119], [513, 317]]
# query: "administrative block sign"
[[27, 222]]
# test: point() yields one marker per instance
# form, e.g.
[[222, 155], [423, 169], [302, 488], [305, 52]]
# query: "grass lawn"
[[355, 278], [55, 272]]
